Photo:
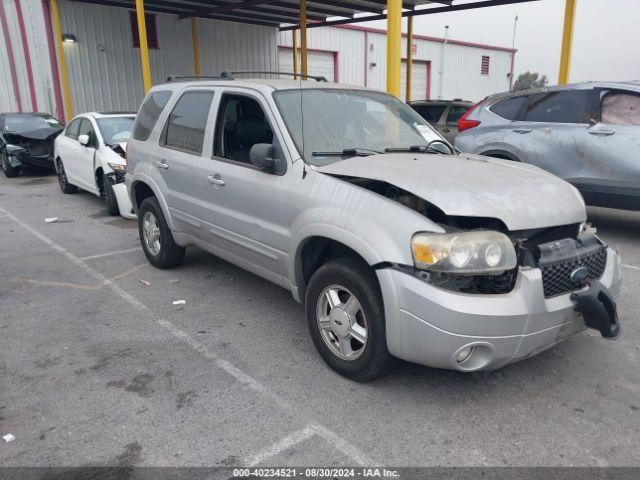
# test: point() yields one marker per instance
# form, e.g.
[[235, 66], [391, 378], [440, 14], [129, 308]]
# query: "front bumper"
[[430, 326], [42, 161]]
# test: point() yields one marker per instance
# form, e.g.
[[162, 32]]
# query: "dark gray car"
[[587, 134]]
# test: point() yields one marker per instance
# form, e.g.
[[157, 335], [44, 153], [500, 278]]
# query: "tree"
[[529, 80]]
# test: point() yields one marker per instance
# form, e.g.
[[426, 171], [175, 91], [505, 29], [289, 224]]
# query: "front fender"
[[133, 180]]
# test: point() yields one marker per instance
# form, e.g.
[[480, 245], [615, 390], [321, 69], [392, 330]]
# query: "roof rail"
[[230, 75], [184, 78]]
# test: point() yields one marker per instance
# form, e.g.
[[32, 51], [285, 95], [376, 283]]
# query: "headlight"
[[464, 252], [118, 167]]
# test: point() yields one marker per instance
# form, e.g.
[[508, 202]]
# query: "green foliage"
[[528, 80]]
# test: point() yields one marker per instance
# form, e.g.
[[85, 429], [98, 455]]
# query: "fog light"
[[464, 354]]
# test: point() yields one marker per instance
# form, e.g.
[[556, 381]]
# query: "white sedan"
[[90, 154]]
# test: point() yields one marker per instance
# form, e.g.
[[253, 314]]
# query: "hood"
[[39, 134], [521, 195]]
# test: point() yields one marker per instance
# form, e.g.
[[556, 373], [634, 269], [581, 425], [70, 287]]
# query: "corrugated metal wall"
[[462, 78], [103, 67]]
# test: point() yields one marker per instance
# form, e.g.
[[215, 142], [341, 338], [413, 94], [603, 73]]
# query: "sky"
[[606, 43]]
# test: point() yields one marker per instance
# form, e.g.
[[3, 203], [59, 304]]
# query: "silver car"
[[587, 134], [349, 199]]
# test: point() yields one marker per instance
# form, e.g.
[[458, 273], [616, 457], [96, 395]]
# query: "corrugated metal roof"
[[285, 13]]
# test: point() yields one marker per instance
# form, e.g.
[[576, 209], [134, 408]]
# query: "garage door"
[[419, 81], [318, 63]]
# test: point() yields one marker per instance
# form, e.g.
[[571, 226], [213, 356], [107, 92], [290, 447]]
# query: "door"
[[66, 143], [248, 214], [551, 132], [419, 80], [611, 168], [179, 158], [84, 158], [318, 62]]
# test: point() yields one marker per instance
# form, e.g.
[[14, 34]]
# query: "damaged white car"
[[396, 244], [89, 154]]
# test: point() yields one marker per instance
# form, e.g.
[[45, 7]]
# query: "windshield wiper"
[[348, 152], [420, 148]]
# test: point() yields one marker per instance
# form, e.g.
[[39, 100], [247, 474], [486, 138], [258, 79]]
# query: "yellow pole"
[[409, 57], [194, 42], [295, 54], [567, 41], [303, 37], [394, 36], [144, 50], [62, 63]]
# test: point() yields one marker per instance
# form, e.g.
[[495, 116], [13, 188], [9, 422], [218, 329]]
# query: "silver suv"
[[587, 134], [350, 200]]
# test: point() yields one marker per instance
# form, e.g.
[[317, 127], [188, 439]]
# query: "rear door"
[[248, 213], [179, 157], [551, 132]]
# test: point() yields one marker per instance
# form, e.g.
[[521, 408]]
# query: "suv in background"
[[443, 115], [587, 134], [470, 270]]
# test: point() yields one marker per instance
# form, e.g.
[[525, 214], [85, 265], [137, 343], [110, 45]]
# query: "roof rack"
[[230, 75], [184, 78]]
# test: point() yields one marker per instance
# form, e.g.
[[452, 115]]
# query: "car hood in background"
[[39, 134], [520, 195]]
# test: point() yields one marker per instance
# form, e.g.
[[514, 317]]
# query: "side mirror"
[[262, 156], [84, 140]]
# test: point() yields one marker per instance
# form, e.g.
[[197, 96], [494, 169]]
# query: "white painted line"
[[630, 267], [350, 450], [279, 447], [110, 254]]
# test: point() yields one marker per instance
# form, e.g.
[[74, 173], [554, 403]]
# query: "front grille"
[[556, 276]]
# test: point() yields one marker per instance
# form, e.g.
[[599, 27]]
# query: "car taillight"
[[464, 123]]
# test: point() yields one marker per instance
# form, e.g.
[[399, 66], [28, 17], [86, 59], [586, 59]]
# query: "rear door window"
[[455, 113], [149, 114], [431, 113], [621, 108], [570, 106], [187, 122], [509, 108]]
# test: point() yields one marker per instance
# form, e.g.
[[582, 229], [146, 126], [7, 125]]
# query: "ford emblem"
[[579, 276]]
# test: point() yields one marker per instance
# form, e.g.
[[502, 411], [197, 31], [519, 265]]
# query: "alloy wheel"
[[151, 233]]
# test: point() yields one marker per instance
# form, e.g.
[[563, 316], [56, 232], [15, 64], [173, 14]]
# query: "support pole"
[[196, 51], [394, 37], [144, 50], [303, 37], [295, 54], [567, 41], [409, 58], [62, 63]]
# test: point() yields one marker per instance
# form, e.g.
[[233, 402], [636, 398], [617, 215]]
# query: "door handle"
[[602, 133], [522, 130], [216, 180], [162, 164]]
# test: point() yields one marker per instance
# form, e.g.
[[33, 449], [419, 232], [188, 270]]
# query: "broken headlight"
[[118, 167], [464, 252]]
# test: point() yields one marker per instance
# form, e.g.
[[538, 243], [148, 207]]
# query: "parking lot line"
[[279, 447], [630, 267], [110, 254], [335, 440]]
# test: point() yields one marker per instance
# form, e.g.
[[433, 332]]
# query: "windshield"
[[29, 123], [330, 121], [115, 129]]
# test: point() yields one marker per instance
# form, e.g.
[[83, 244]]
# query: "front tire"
[[155, 236], [8, 170], [344, 309], [65, 186], [110, 197]]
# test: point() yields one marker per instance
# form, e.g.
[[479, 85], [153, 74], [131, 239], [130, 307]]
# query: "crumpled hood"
[[521, 195], [39, 134]]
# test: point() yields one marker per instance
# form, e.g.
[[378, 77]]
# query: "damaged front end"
[[29, 150]]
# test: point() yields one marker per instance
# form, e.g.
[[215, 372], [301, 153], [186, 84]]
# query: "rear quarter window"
[[431, 113], [149, 114], [508, 108]]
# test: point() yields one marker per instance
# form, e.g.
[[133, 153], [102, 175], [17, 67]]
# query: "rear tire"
[[65, 186], [8, 170], [155, 236], [343, 349], [110, 197]]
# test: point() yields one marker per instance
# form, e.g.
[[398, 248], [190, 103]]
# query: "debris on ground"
[[51, 220], [144, 282], [179, 302], [173, 280], [8, 438]]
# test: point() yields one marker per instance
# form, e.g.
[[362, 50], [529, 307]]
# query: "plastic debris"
[[51, 220], [144, 282], [179, 302], [8, 438], [173, 280]]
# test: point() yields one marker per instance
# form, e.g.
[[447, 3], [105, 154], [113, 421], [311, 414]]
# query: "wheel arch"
[[143, 188], [499, 153]]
